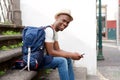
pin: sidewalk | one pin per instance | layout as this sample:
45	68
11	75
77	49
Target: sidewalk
109	68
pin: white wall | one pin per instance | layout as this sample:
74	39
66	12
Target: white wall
79	36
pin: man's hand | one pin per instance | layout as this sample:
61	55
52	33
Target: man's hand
76	56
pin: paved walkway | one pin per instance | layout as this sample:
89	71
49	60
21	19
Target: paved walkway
109	68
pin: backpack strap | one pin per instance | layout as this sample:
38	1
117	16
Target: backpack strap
51	28
28	62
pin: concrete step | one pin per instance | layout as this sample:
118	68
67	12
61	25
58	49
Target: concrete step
10	74
7	40
9	37
80	74
18	75
92	77
9	54
9	27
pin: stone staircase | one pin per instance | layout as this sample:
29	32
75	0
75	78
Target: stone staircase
8	57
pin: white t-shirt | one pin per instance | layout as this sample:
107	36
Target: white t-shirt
51	35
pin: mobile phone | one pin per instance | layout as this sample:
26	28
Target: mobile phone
83	54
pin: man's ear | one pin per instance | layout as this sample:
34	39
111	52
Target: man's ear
56	18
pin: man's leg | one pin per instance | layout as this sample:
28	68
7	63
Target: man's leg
70	69
64	67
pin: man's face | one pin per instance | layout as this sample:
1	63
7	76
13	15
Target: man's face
62	22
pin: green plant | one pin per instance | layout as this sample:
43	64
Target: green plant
11	46
10	33
20	44
2	73
4	48
47	71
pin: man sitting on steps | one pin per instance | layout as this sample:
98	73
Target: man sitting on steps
61	59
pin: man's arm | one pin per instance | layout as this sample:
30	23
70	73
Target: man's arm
56	46
54	50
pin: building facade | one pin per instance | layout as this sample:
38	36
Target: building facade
110	19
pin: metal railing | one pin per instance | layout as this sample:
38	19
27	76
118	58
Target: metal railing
6	11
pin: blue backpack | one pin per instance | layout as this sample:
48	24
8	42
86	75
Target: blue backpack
33	49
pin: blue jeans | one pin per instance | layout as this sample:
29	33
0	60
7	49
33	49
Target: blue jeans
64	66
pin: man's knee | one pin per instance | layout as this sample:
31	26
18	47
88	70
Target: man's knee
63	60
66	60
